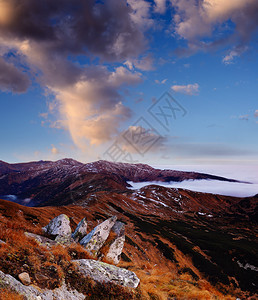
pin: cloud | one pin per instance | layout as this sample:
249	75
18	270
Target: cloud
54	150
256	113
91	109
160	6
145	63
76	28
138	139
195	20
190	89
141	13
244	117
229	58
12	79
52	36
161	82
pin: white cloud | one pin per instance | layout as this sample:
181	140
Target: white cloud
54	150
145	63
160	6
141	13
161	82
229	58
91	108
195	20
256	113
190	89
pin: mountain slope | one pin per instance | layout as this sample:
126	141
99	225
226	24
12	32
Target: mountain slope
52	183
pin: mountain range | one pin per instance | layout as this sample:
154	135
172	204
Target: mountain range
209	237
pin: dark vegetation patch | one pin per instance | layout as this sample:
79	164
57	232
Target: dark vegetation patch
165	250
216	243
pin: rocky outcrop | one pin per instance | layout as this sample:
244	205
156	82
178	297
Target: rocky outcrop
103	272
117	243
32	293
97	237
41	240
80	231
60	225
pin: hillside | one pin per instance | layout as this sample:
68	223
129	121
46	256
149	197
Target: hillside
181	244
62	182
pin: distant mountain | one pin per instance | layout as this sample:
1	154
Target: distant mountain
66	180
204	236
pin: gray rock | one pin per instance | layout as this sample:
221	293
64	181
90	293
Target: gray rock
41	240
117	245
60	225
80	231
24	278
2	242
97	237
64	240
32	293
103	272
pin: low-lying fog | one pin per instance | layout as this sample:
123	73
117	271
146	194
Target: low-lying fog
246	173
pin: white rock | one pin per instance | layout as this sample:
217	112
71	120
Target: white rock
117	245
103	272
97	237
32	293
60	225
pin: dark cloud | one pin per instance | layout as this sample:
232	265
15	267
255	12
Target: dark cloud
104	29
12	79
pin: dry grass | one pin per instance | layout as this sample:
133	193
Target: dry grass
6	294
160	277
48	268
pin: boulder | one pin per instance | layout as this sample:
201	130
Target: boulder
117	244
60	225
97	237
80	231
33	293
25	278
41	240
65	240
103	272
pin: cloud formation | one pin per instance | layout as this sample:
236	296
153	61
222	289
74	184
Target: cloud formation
12	79
161	82
195	20
54	150
140	140
51	36
189	89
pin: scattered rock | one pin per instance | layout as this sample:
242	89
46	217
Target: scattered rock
103	272
32	293
41	278
25	278
97	237
117	244
2	242
80	231
60	225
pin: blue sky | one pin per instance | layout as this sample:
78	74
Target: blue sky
80	81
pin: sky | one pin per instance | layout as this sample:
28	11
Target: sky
159	82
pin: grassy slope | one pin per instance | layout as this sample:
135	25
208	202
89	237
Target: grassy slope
173	258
